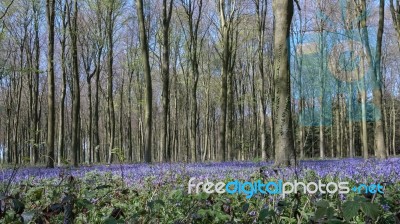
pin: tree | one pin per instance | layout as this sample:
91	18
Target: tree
166	19
50	12
261	11
227	16
73	29
192	40
34	87
379	134
284	146
61	126
149	92
379	137
110	60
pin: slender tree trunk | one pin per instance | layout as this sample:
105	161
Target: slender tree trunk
61	126
16	149
166	18
261	10
302	131
110	101
394	128
96	134
50	11
149	92
35	93
364	134
131	156
121	120
224	98
75	141
90	129
322	98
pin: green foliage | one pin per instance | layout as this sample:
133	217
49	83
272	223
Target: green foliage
104	198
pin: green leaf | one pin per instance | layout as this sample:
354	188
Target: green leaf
350	209
151	204
110	220
18	206
221	217
335	221
202	196
330	212
83	203
263	214
36	194
370	209
245	207
176	194
320	213
283	203
360	199
103	187
202	212
322	204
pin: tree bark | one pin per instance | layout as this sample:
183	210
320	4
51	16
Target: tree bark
166	18
149	92
377	91
283	133
35	92
50	12
75	142
110	101
61	130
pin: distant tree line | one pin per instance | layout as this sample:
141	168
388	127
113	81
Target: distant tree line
104	81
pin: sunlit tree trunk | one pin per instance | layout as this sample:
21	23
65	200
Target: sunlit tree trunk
284	146
377	91
261	10
110	61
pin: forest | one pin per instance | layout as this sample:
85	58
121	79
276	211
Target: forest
83	81
112	110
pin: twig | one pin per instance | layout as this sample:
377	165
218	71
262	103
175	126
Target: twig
7	8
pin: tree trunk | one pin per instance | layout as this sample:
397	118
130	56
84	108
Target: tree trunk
377	91
261	10
284	146
35	93
394	128
364	134
166	18
149	92
110	101
75	142
50	12
61	127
